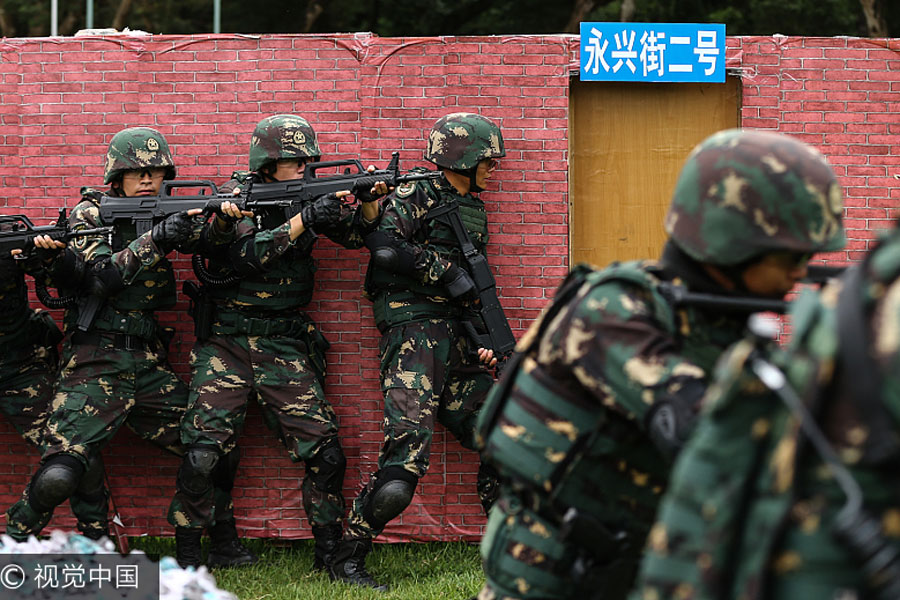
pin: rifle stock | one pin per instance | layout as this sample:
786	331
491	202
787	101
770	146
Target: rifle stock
499	336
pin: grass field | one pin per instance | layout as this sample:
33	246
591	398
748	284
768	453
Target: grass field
433	571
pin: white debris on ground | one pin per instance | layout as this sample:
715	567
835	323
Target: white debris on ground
175	583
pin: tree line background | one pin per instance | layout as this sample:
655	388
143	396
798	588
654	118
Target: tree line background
398	18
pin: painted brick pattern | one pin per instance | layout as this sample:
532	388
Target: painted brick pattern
61	100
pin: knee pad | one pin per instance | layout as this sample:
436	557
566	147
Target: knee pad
226	470
326	467
195	474
56	479
393	491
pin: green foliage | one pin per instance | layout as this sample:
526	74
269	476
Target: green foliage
403	18
433	571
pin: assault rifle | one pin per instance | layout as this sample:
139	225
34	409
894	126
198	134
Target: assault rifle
145	211
287	195
292	195
20	232
499	336
680	296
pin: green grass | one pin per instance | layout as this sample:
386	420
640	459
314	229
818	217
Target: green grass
432	571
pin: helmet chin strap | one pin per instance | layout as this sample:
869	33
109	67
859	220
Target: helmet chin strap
735	274
472	174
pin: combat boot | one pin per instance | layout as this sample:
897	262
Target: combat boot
225	549
350	564
187	547
327	539
94	530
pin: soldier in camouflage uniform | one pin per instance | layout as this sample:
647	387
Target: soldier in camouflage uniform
115	372
27	369
422	294
755	509
262	344
604	388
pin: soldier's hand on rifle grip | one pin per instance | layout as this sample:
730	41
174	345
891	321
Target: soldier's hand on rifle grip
228	213
457	281
324	211
47	248
174	230
487	358
378	189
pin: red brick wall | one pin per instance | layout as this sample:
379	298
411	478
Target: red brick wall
62	100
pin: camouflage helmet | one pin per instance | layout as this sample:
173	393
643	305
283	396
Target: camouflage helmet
137	148
459	141
742	194
282	136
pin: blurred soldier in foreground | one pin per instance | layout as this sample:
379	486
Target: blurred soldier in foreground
788	488
606	385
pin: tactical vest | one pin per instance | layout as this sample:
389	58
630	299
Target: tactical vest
400	298
559	442
286	283
130	310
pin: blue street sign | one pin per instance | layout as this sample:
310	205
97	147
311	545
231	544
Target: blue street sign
678	52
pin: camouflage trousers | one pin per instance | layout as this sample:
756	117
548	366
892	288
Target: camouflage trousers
287	382
24	400
100	388
429	374
528	556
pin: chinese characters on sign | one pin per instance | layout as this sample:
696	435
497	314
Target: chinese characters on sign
654	52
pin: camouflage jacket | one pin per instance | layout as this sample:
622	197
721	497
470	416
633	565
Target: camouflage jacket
612	351
145	271
274	272
416	289
752	511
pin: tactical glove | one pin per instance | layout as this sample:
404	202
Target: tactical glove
323	212
216	207
363	190
172	232
457	281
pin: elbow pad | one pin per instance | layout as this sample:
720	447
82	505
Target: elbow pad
387	254
671	419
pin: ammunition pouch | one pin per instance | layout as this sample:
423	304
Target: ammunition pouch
607	563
